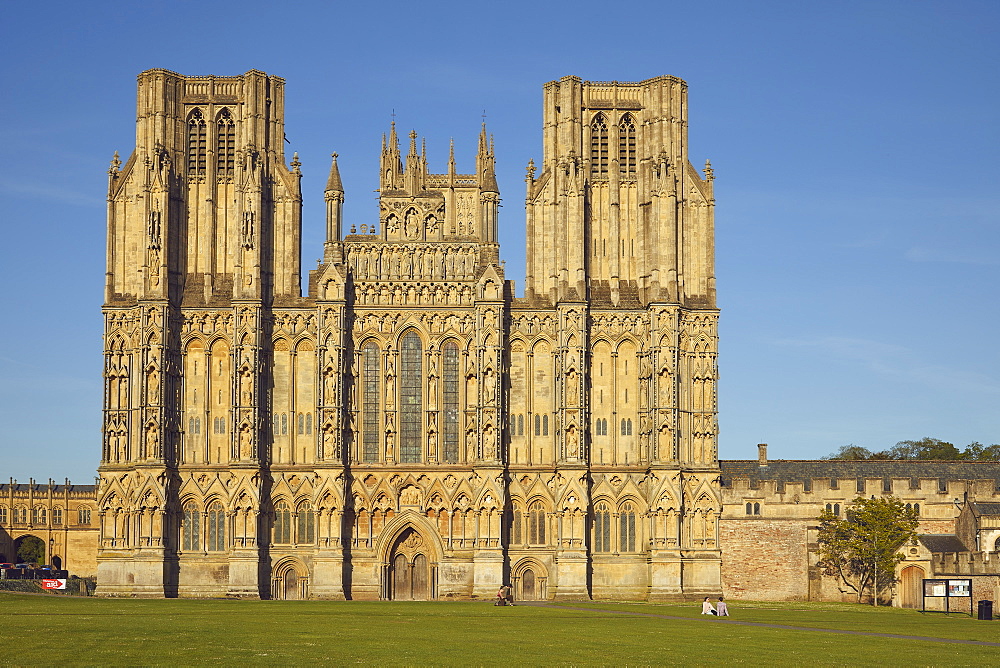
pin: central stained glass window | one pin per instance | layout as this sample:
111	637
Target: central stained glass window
410	400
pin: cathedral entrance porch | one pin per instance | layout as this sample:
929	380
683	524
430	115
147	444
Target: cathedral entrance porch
408	574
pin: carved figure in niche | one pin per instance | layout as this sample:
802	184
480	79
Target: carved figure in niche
572	441
246	446
329	384
412	225
409	496
153	385
328	441
390	448
432	445
246	387
248	230
152	434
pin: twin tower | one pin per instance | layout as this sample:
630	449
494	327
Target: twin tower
409	429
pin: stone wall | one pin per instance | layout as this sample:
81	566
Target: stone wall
765	559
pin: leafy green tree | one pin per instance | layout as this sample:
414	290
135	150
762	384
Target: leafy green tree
862	550
31	550
977	452
851	452
925	448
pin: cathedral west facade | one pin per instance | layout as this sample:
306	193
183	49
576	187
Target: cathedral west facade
409	428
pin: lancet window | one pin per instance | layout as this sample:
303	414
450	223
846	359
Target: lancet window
602	528
410	400
599	147
57	516
450	401
225	152
197	144
282	523
83	515
370	402
516	537
306	524
191	528
626	533
536	524
626	146
216	528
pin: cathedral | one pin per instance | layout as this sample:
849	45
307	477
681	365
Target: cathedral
409	429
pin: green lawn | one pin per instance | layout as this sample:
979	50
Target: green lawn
50	630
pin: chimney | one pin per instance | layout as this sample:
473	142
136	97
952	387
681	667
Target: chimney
762	454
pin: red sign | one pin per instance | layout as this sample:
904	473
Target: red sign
53	584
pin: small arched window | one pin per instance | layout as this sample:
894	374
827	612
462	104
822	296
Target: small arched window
536	524
538	424
191	528
197	145
20	515
306	521
599	146
302	424
626	535
282	523
626	146
520	424
216	528
602	528
309	423
836	509
83	515
756	509
57	516
545	425
284	424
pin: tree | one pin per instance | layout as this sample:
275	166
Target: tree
31	550
851	452
925	448
863	549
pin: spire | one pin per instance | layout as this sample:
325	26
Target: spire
393	139
484	162
333	183
413	144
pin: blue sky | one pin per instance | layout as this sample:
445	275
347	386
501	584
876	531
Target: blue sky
854	144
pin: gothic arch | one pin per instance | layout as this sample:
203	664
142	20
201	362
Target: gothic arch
289	580
529	580
410	549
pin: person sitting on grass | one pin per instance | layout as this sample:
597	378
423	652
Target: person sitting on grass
722	610
706	607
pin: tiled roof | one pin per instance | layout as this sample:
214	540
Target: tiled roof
794	470
986	508
942	543
41	488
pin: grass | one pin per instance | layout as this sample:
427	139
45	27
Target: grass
50	630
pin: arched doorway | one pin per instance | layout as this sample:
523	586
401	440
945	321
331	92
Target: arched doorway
409	570
530	581
911	581
289	583
57	563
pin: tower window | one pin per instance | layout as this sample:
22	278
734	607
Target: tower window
626	146
225	145
197	145
599	147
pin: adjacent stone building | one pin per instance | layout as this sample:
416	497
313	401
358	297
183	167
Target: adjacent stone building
409	429
64	517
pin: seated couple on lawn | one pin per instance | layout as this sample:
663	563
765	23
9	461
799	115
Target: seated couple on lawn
720	610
